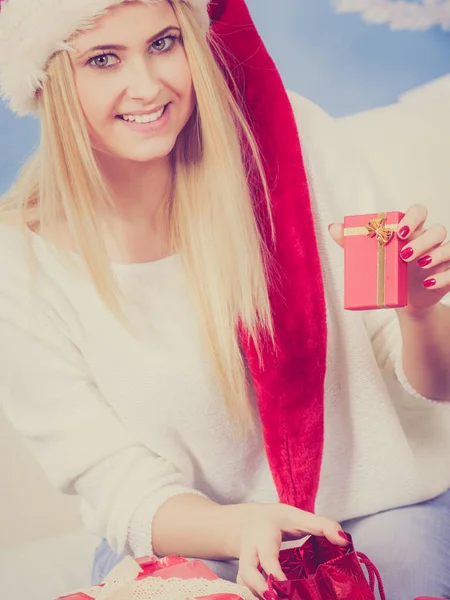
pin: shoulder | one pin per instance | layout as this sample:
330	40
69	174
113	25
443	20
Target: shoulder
307	111
337	168
33	300
311	119
320	135
27	277
15	253
24	252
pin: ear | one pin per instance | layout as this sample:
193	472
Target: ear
337	233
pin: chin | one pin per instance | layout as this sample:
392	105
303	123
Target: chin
157	152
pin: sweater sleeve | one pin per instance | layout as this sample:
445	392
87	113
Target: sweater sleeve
84	449
384	331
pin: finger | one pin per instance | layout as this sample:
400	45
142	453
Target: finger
306	523
335	534
337	233
253	580
424	243
438	282
249	574
412	221
268	559
439	257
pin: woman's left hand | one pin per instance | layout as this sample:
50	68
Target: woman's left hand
428	255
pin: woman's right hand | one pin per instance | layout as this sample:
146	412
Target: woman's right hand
260	540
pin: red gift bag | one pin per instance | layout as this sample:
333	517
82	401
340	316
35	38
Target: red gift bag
319	570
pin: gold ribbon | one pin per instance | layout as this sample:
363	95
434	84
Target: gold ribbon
377	228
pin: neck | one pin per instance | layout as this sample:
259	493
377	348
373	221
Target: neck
139	190
137	229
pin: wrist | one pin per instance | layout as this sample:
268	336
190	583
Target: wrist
419	315
234	518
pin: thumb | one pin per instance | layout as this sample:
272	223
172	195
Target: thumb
337	233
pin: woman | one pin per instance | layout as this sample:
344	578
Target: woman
174	345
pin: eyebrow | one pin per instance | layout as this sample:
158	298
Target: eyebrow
155	37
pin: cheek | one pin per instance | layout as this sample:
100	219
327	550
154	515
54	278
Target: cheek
96	98
180	78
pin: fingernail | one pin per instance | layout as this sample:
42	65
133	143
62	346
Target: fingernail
429	283
404	231
343	535
424	261
407	253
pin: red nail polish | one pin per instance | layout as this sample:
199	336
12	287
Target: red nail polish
407	253
424	261
343	535
429	283
404	231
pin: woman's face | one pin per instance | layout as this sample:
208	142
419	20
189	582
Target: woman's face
134	81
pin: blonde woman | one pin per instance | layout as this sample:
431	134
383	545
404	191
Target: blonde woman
174	346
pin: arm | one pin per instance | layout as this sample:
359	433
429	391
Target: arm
184	525
136	499
425	322
81	444
420	350
413	343
426	350
415	349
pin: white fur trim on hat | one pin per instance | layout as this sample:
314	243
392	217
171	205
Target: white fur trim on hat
31	31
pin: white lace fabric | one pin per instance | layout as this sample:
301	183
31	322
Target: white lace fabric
121	584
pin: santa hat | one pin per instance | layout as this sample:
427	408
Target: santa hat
290	384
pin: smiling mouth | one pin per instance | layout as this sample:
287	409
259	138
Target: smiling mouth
145	118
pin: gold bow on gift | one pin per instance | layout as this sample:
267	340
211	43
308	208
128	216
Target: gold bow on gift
377	228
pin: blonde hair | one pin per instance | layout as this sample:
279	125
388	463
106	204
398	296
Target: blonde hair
217	167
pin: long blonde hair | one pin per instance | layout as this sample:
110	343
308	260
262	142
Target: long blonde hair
214	229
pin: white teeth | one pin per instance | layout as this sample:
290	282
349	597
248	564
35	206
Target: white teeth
150	118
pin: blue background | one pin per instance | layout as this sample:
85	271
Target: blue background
337	60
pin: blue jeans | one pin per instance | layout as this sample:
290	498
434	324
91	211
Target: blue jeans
409	545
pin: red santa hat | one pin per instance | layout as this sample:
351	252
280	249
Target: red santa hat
290	385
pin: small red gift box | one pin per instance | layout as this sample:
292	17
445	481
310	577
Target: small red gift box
168	568
374	274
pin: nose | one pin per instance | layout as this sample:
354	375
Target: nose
143	82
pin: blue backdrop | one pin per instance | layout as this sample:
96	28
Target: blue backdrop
346	55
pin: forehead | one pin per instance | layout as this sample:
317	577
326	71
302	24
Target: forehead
127	23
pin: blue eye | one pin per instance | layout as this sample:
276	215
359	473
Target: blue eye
102	61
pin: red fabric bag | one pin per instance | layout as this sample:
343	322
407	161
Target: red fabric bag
319	570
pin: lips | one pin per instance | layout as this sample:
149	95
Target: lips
142	117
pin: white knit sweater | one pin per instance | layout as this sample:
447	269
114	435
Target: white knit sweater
128	422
